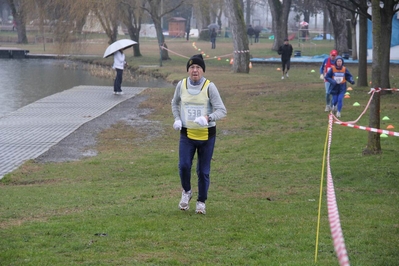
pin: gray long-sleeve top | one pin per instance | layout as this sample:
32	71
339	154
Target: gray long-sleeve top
219	110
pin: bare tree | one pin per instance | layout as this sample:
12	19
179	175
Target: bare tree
373	144
362	66
382	14
239	34
338	17
387	9
220	13
325	21
353	16
204	12
107	12
217	11
18	10
307	7
248	12
132	14
154	9
280	11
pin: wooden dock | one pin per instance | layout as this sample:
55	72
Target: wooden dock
10	52
33	129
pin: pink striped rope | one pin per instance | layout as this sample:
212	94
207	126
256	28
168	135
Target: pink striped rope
333	214
384	89
164	48
364	111
376	130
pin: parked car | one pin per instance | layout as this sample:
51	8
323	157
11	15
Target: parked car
319	37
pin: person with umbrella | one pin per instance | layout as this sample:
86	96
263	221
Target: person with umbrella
119	64
116	49
213	38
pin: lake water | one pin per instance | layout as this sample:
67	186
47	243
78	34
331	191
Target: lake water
23	81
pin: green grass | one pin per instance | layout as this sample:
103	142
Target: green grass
263	200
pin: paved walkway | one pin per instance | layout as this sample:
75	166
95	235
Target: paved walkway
32	130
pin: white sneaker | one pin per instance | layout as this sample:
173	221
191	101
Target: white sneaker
338	114
334	108
121	92
282	77
185	199
115	92
286	74
200	209
328	108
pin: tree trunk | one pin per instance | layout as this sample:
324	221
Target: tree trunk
133	25
248	13
280	12
387	14
154	10
205	10
353	30
362	66
239	35
325	22
373	144
18	13
108	19
338	19
134	35
161	38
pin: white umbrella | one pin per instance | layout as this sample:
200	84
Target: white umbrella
304	23
118	45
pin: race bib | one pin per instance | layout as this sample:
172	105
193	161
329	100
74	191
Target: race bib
194	111
338	79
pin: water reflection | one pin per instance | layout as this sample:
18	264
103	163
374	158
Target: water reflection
23	81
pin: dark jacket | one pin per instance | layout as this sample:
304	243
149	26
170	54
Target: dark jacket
337	77
250	31
285	51
213	33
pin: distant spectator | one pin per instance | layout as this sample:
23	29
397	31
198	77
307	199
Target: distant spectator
119	64
188	32
250	33
213	38
305	32
257	31
285	51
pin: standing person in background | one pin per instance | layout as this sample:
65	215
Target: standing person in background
325	66
256	32
213	38
285	51
119	64
337	76
250	33
196	105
